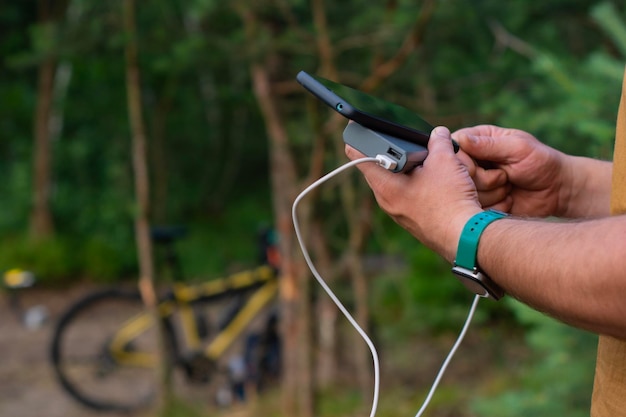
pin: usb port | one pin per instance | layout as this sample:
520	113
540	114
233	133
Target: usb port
393	152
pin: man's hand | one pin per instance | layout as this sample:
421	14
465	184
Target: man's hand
536	172
434	201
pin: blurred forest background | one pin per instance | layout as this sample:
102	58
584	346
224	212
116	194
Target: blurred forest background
232	139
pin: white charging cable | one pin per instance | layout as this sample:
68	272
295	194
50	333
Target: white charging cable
453	350
388	163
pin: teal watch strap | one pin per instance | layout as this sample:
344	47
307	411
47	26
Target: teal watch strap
470	236
465	267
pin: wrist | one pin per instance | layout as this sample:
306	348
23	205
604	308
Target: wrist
454	231
568	185
584	187
465	266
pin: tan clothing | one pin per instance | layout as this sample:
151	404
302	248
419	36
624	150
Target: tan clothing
609	388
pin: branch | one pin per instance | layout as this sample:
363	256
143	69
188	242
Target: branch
505	39
411	42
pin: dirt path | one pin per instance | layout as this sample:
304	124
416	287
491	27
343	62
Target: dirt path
27	384
28	387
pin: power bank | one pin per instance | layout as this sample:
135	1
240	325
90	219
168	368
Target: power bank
407	154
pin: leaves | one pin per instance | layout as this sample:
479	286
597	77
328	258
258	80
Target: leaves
608	18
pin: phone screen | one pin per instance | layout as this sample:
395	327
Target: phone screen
367	110
378	108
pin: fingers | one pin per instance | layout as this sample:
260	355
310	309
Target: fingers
352	153
504	205
492	197
468	162
488	179
492	185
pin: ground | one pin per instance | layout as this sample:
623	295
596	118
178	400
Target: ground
27	384
28	387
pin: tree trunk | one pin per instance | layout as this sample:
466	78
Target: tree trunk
159	154
297	381
41	224
327	323
47	124
142	187
326	313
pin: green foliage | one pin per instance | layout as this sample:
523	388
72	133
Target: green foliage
177	407
203	155
567	101
58	261
607	16
424	296
431	286
207	141
227	245
50	260
103	261
348	402
558	378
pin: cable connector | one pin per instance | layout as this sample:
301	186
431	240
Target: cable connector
386	162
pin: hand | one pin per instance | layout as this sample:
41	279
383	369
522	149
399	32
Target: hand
535	171
433	201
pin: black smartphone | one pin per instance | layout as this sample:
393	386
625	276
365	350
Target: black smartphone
369	111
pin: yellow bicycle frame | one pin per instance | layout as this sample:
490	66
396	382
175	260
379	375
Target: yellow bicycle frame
184	295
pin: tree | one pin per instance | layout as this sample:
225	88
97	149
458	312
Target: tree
142	190
50	15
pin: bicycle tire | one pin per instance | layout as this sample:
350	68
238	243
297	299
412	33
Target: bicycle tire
81	355
263	355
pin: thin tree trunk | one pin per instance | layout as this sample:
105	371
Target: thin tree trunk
297	379
361	355
159	153
297	392
142	187
41	224
326	313
46	125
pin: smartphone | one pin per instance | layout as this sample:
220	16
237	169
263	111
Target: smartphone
369	111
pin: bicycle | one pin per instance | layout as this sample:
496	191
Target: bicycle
111	367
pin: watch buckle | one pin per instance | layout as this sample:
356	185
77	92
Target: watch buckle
477	282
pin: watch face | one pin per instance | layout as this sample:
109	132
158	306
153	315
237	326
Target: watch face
478	283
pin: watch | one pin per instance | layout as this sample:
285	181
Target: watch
465	265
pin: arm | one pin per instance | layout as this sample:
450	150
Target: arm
573	271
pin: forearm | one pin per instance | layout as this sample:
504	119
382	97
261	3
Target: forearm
573	271
588	193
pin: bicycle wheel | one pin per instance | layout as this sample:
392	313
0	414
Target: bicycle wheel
94	359
263	356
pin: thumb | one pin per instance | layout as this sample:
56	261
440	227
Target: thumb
440	140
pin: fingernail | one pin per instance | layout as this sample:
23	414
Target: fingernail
441	131
472	138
